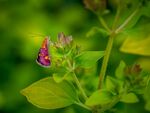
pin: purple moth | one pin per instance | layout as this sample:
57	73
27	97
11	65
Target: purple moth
43	58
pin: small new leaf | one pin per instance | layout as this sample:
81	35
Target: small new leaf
120	70
100	97
114	85
48	94
129	98
58	77
88	58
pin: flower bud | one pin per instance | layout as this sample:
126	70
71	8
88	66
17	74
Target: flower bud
97	6
63	40
133	70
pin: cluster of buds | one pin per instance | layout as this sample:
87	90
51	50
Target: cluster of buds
134	75
97	6
133	70
63	40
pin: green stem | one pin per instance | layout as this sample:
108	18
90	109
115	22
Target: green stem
104	23
108	107
117	16
148	81
105	60
126	21
84	106
79	86
108	48
110	43
77	81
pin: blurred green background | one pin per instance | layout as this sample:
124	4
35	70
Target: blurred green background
21	24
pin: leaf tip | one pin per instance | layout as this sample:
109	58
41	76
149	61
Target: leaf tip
23	92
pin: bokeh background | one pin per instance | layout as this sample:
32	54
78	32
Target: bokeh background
23	23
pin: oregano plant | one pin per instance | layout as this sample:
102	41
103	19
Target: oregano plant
127	19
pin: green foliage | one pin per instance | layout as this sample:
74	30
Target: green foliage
60	74
134	46
129	98
48	94
97	30
100	97
147	106
146	8
120	70
88	58
147	95
58	77
138	39
114	85
126	8
116	17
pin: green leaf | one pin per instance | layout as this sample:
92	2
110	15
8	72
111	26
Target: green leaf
61	74
59	77
88	58
114	85
56	52
138	40
147	95
120	70
147	106
147	89
139	47
129	98
48	94
100	97
146	8
95	30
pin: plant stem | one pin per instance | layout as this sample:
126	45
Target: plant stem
79	86
110	42
117	16
104	23
105	60
148	81
114	102
127	21
77	81
82	105
108	50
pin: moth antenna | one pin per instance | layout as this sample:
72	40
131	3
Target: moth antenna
36	35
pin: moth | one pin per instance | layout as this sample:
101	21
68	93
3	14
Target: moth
43	58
